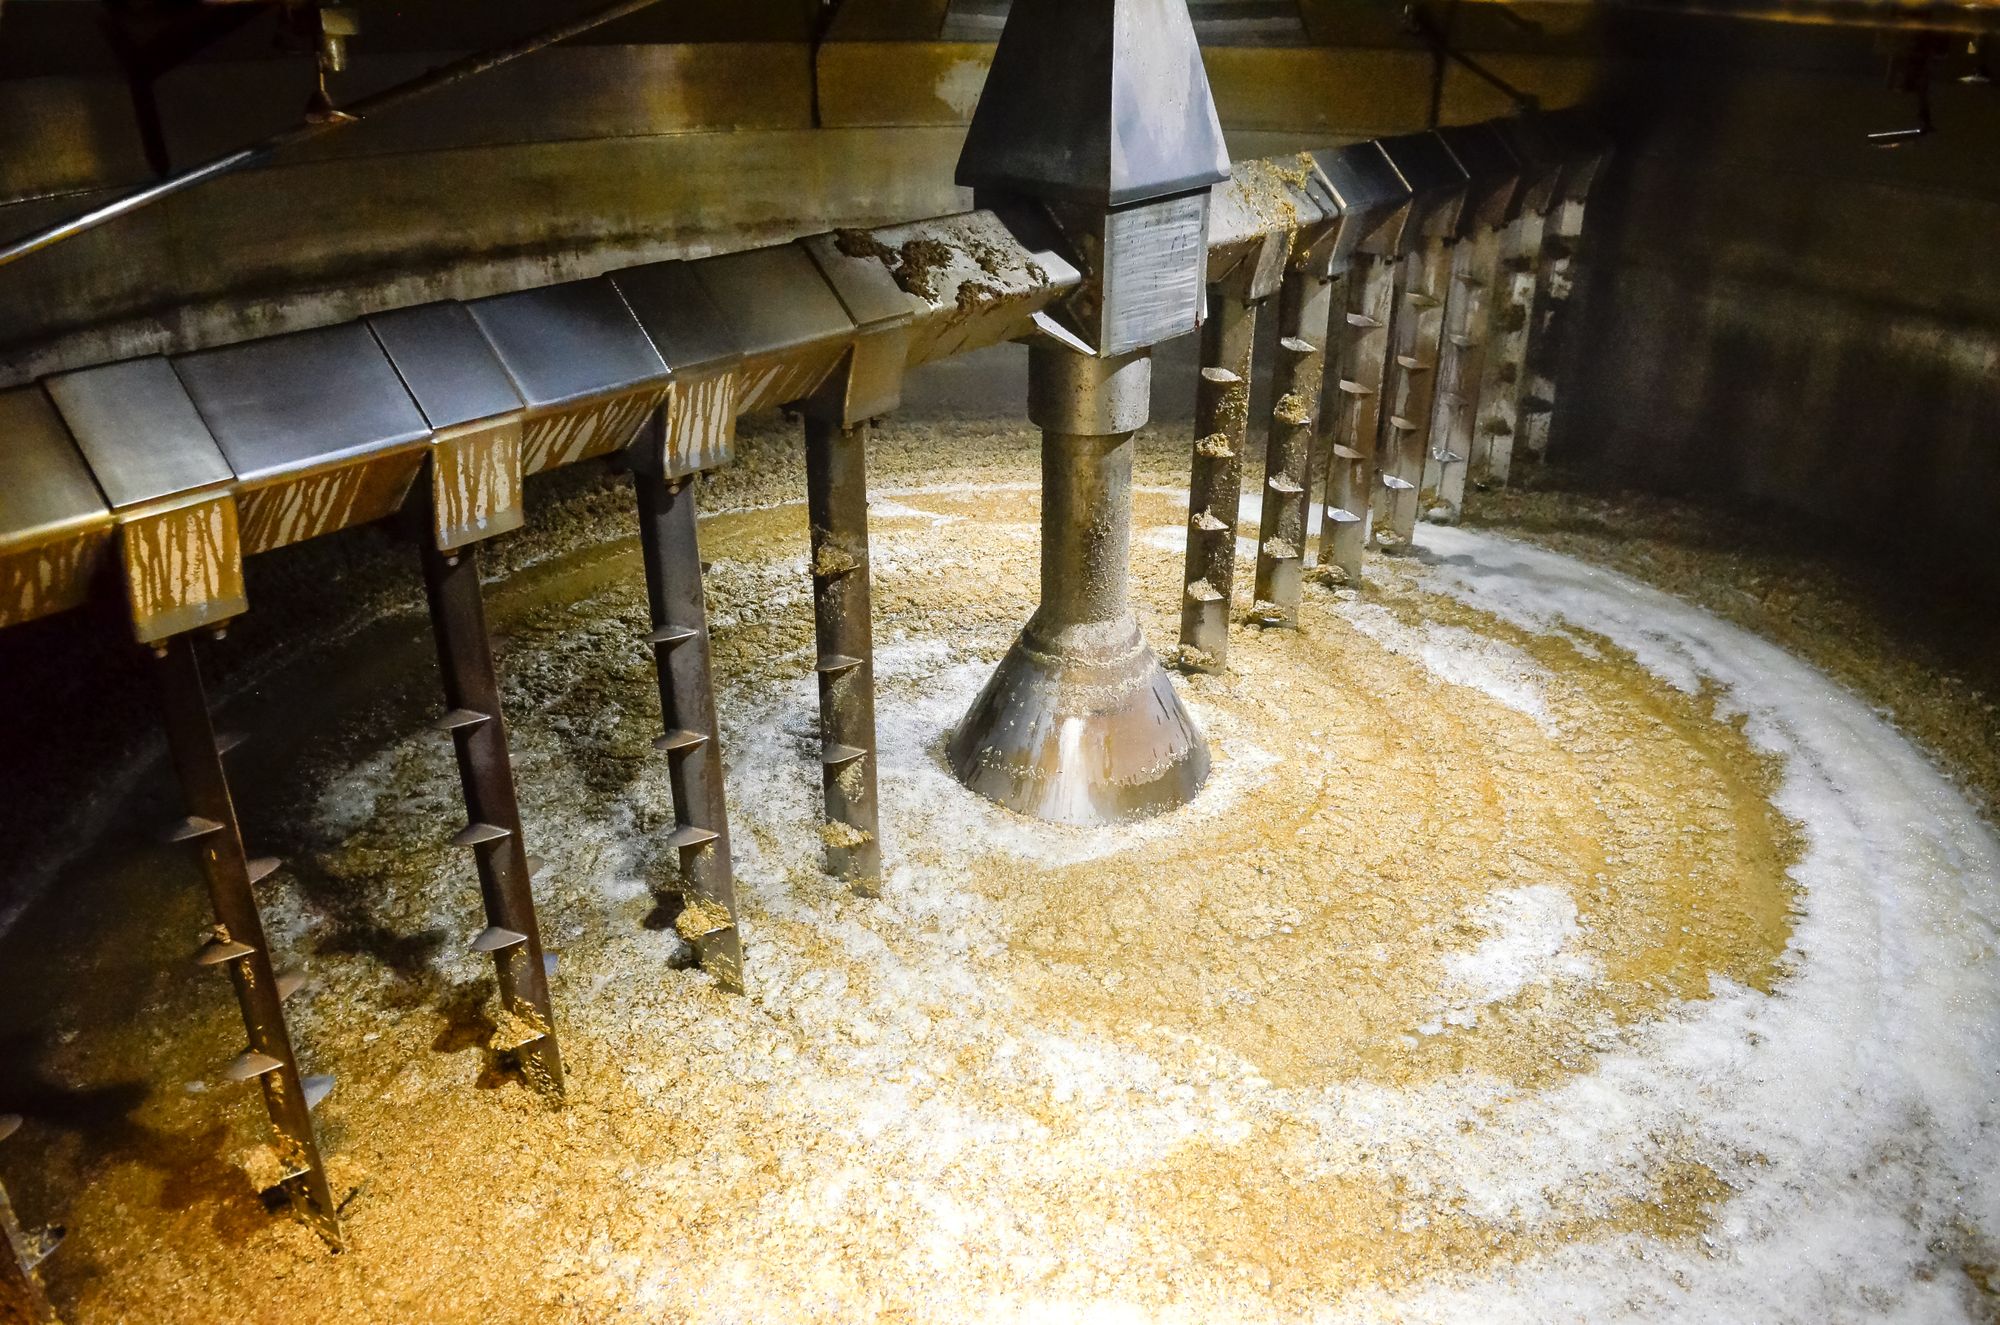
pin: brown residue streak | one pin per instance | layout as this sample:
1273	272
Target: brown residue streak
183	561
917	261
830	559
36	581
861	244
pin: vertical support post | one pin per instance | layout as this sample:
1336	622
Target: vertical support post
486	774
1551	316
23	1301
239	944
1503	378
837	506
1412	386
1215	486
669	543
1367	326
1475	263
1304	301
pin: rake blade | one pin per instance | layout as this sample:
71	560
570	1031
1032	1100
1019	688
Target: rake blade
473	835
494	938
219	950
316	1088
458	718
192	828
249	1065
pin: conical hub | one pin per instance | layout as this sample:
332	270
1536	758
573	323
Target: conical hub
1081	726
1080	723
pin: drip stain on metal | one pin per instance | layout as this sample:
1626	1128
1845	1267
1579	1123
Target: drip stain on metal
1069	861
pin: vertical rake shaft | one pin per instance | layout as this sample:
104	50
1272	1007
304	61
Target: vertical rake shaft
1550	318
1303	305
212	830
1364	336
837	503
1412	387
1502	380
1215	487
486	773
669	542
1475	275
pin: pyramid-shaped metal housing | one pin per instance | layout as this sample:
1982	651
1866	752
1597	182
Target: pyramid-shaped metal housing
1100	102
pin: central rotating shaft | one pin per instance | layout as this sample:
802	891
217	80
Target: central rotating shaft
1080	723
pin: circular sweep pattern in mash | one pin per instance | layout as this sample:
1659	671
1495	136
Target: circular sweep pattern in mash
1541	949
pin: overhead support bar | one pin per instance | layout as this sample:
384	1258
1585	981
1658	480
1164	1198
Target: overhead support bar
445	75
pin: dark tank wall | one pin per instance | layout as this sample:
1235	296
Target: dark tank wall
1778	310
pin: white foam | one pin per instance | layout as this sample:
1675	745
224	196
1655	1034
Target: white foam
1458	656
1530	936
1851	1112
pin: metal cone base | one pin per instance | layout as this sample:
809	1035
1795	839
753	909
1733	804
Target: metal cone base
1080	731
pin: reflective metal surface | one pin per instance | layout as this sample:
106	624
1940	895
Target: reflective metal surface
476	417
1374	200
788	321
973	279
142	435
45	489
449	367
1436	183
688	328
53	520
882	312
294	404
1251	222
566	344
1080	723
697	340
588	372
1101	104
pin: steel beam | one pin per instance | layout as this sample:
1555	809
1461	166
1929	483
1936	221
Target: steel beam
1215	487
493	829
1475	274
669	543
1304	301
837	506
1503	375
1365	330
1422	276
238	942
1555	286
